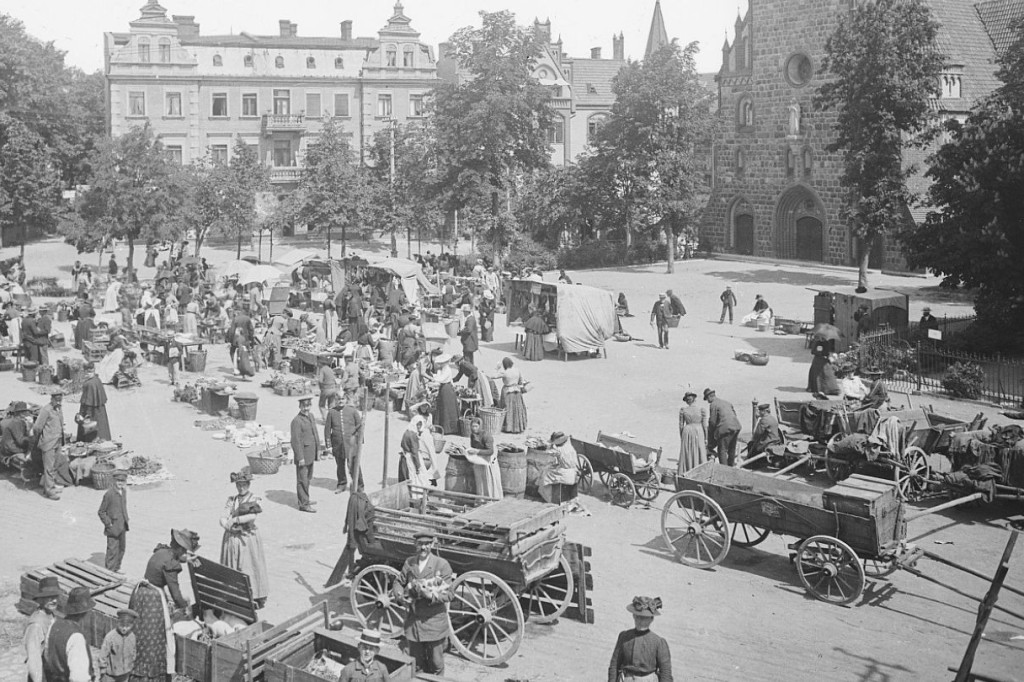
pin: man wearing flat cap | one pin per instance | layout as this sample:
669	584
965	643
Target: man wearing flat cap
766	432
46	596
305	446
425	585
113	512
640	655
723	428
67	657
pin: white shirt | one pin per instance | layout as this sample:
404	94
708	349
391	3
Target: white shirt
77	651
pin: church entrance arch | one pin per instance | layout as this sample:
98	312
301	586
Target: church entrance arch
800	225
741	224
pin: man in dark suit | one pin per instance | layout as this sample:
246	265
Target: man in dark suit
343	431
305	446
114	515
470	334
723	428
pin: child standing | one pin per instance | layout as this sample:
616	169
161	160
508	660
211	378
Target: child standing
117	655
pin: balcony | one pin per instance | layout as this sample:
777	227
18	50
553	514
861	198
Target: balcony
284	123
282	175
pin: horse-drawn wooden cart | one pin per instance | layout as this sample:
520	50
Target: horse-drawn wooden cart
506	554
627	468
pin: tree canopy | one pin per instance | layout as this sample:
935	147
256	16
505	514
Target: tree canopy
884	67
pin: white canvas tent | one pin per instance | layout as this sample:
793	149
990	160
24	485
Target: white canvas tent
412	277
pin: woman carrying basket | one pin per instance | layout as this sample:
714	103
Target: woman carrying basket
242	546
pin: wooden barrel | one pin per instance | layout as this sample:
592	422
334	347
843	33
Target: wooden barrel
512	464
458	476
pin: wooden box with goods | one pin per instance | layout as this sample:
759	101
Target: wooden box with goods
320	655
243	658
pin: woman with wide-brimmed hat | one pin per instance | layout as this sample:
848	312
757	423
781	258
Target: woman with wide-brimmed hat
640	655
242	546
693	434
152	599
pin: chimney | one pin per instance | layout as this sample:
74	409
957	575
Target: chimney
619	47
284	27
595	53
187	26
294	30
346	29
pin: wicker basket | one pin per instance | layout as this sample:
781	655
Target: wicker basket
492	418
672	321
759	359
438	438
102	475
264	462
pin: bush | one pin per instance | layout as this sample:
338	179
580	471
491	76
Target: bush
523	251
601	253
964	380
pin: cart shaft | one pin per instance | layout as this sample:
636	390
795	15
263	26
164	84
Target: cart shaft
946	505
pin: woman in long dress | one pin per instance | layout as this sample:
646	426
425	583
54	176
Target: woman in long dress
693	434
153	599
446	414
418	453
536	328
512	397
242	546
487	317
110	299
486	473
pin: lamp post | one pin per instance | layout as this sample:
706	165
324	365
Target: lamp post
392	122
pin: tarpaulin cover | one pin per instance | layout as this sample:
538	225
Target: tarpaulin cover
411	274
586	317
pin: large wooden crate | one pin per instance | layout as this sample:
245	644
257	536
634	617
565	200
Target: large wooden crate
289	666
242	656
216	586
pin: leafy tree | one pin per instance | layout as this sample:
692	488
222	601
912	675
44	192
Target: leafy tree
648	155
29	183
885	67
491	127
228	195
975	236
334	193
134	194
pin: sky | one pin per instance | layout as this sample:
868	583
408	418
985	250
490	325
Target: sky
78	27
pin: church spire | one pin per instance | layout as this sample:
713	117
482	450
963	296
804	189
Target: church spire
658	37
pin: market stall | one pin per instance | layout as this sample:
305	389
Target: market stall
581	318
887	309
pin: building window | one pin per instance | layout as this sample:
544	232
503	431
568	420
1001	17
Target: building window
407	57
247	61
313	109
173	153
144	51
391	58
556	133
173	102
383	105
218	60
219	154
282	102
283	153
745	113
136	104
790	163
165	51
279	63
220	105
741	161
310	62
594	124
416	107
807	162
339	63
950	86
341	105
799	70
250	104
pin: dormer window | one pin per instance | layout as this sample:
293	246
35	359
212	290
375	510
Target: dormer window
279	62
339	63
247	61
407	57
144	51
165	51
218	60
949	86
391	57
310	62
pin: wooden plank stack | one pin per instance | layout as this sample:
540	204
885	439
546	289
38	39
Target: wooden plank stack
577	555
111	592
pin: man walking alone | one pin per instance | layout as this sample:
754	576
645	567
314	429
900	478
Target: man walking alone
728	299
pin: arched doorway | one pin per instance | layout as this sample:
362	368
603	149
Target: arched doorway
741	224
800	225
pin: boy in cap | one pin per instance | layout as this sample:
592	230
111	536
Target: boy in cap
640	654
366	668
113	512
39	625
425	586
117	654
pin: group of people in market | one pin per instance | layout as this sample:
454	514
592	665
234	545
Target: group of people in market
714	429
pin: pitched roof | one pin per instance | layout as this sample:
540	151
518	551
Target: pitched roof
963	39
592	80
658	37
1000	17
280	42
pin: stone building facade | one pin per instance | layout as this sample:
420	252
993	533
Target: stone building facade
775	190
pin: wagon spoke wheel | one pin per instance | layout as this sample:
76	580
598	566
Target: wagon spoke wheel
647	489
695	529
622	490
485	617
838	469
830	570
745	535
879	567
373	601
548	598
603	477
913	473
584	475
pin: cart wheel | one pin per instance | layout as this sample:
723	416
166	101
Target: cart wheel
838	469
745	535
373	602
622	490
603	477
695	529
548	598
584	475
913	473
649	488
830	570
485	618
880	567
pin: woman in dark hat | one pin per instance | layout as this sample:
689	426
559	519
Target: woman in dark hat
242	545
152	599
640	655
693	434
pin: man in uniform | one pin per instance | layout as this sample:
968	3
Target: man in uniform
305	446
67	657
343	431
425	584
723	428
39	625
49	430
766	432
113	513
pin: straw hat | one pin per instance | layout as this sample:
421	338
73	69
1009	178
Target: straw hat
645	606
370	637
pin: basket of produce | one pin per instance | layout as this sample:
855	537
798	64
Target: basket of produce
103	475
143	466
759	358
265	462
672	321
